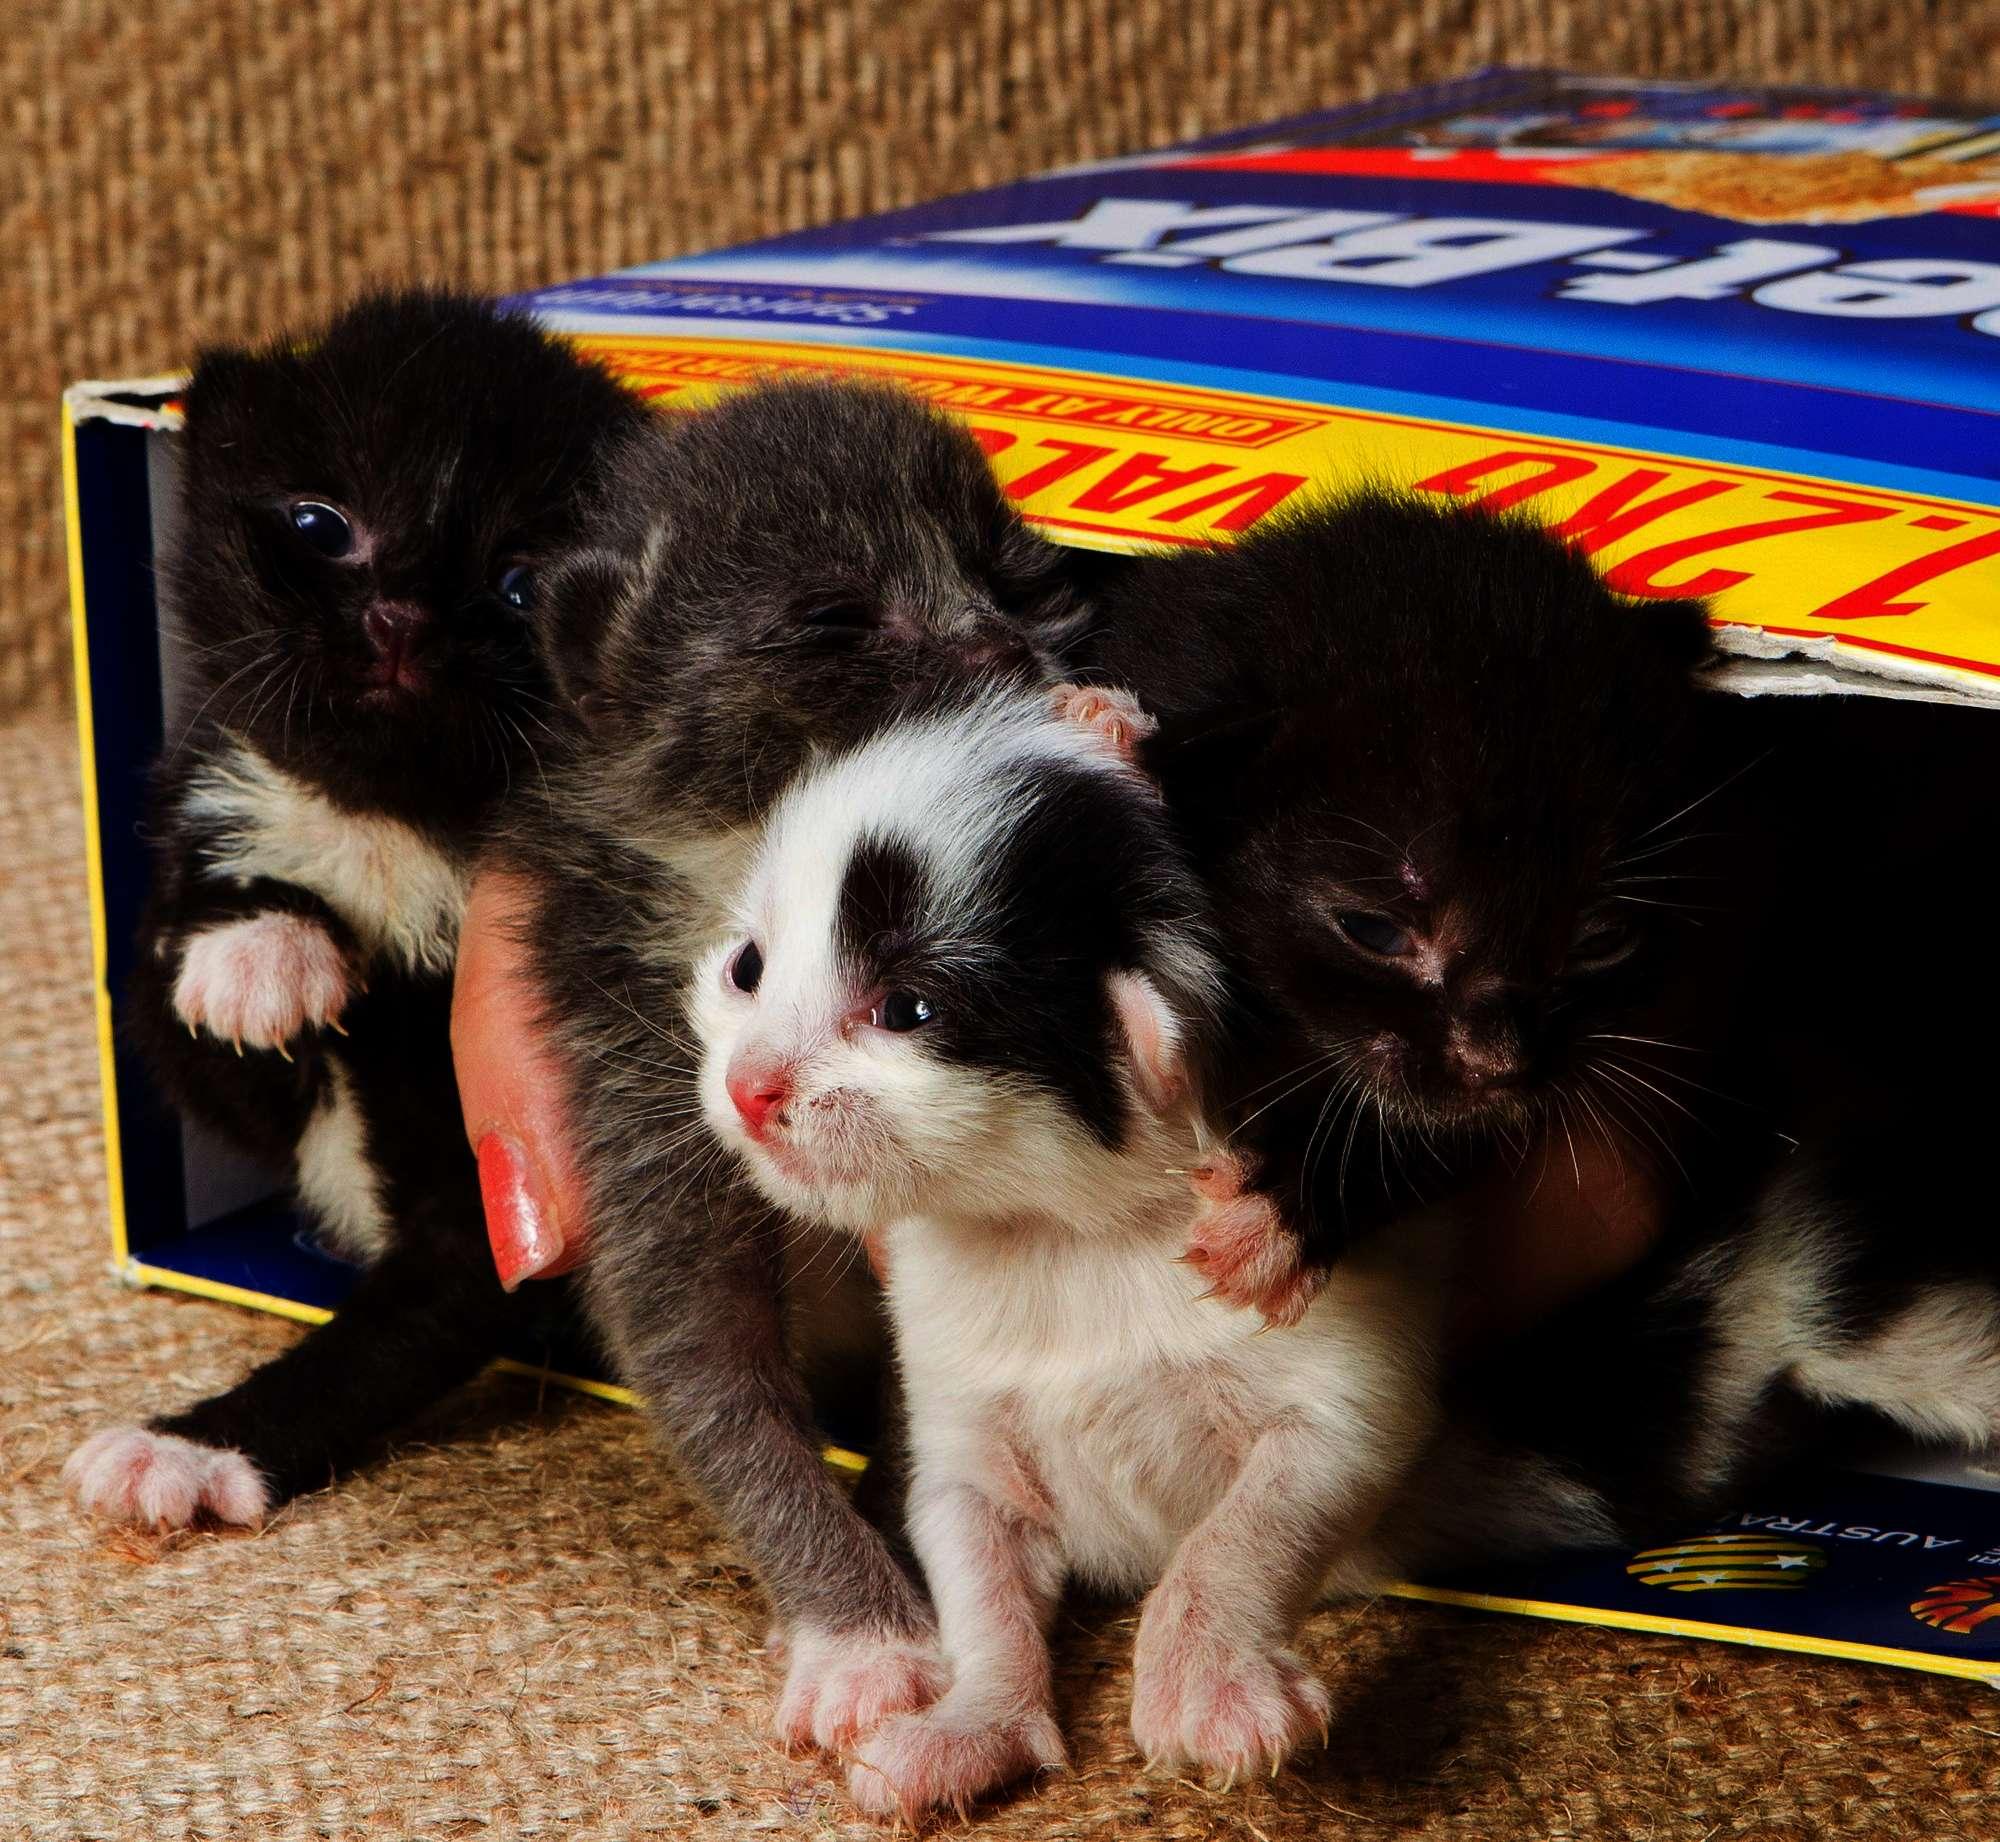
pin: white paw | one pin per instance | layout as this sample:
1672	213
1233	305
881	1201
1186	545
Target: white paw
1115	718
1229	1708
161	1481
842	1683
937	1760
261	980
1242	1246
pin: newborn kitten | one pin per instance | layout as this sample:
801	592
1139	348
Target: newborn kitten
361	519
1834	1266
1442	783
776	576
954	1016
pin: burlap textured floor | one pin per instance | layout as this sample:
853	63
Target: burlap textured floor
519	1627
187	170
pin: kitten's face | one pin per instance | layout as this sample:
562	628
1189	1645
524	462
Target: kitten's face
861	1081
925	1003
363	523
795	568
1454	957
1448	827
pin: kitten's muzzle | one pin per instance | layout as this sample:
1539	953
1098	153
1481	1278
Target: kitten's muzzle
396	632
761	1092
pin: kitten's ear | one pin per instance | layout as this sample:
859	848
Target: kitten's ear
1153	1039
1682	630
579	593
226	388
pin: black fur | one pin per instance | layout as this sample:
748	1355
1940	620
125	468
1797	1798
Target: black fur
456	443
783	573
1086	879
1440	725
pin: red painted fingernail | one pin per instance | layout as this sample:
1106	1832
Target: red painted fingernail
520	1227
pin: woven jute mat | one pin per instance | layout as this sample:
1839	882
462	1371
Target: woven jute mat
519	1625
191	170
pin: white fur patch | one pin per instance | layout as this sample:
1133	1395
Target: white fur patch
403	896
336	1181
157	1480
1935	1368
261	980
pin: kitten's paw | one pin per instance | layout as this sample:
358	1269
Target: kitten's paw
161	1481
839	1684
1114	717
1229	1709
936	1760
1240	1244
261	980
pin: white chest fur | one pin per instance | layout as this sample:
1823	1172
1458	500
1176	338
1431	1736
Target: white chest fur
1127	1398
403	896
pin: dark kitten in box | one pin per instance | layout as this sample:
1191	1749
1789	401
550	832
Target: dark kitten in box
1447	790
361	520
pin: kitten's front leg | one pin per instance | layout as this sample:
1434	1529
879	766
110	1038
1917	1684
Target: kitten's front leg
692	1306
1217	1684
995	1573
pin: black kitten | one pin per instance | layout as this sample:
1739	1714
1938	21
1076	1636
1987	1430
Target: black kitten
1829	1272
361	517
783	574
1439	780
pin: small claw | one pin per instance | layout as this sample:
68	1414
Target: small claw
1326	1732
237	1046
333	1024
1277	1761
195	1033
282	1050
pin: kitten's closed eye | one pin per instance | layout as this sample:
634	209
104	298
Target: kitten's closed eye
325	528
1602	941
1375	933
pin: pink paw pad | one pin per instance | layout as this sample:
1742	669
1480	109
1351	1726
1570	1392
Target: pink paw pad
261	980
1114	717
936	1760
1230	1711
1239	1244
840	1684
160	1481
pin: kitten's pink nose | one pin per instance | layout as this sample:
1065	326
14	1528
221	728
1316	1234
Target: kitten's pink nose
394	631
758	1089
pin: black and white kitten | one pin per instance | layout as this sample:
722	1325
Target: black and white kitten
361	518
778	576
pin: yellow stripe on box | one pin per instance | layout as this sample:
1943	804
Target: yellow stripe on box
1910	581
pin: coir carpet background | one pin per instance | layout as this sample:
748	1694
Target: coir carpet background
519	1626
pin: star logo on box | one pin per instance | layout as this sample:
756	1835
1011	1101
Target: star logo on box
1729	1563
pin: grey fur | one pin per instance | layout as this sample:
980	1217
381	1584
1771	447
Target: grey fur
694	638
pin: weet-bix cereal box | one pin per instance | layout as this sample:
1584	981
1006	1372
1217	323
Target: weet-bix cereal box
1740	343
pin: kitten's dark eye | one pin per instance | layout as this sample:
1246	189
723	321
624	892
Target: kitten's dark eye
517	587
843	616
323	526
901	1010
1374	933
1601	941
746	970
